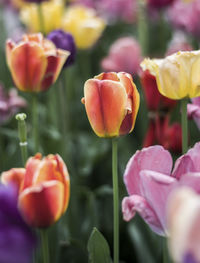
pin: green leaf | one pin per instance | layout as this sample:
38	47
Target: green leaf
98	248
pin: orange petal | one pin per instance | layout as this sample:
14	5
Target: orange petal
9	47
28	64
55	64
53	167
42	205
105	102
33	37
31	168
14	176
107	75
132	105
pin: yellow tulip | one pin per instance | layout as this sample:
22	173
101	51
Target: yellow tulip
52	16
84	25
178	75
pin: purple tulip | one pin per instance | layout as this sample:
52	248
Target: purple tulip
16	238
64	40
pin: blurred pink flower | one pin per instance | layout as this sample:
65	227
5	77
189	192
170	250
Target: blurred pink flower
113	10
124	55
185	15
149	181
193	110
9	104
159	3
178	43
183	217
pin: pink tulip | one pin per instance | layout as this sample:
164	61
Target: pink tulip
183	217
194	110
149	179
124	55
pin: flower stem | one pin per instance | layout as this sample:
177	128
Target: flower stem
41	18
35	122
22	135
142	26
184	123
115	201
45	246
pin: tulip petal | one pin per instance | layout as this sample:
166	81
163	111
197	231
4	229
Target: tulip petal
135	203
105	102
154	157
14	176
31	168
155	188
42	205
134	100
28	64
191	180
52	167
183	165
54	66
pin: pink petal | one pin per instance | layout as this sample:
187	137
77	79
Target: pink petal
190	180
155	189
154	158
135	203
183	165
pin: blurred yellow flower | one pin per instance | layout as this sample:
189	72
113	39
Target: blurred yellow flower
84	25
52	16
178	75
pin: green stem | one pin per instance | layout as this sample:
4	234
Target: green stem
142	26
41	18
22	135
115	200
45	245
35	122
184	123
165	251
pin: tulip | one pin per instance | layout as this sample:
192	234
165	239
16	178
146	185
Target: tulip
183	216
17	239
40	62
191	11
149	180
43	188
52	12
84	25
193	110
124	55
177	76
65	41
155	101
111	101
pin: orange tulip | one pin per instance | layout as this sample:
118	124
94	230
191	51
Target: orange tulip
111	101
34	62
43	187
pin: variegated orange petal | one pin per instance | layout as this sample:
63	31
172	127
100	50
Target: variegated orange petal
55	64
28	65
132	105
41	205
107	75
9	47
105	102
38	37
52	167
14	176
31	168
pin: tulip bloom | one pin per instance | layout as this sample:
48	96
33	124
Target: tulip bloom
178	75
34	62
43	188
84	25
124	55
112	102
52	12
183	216
149	182
193	110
